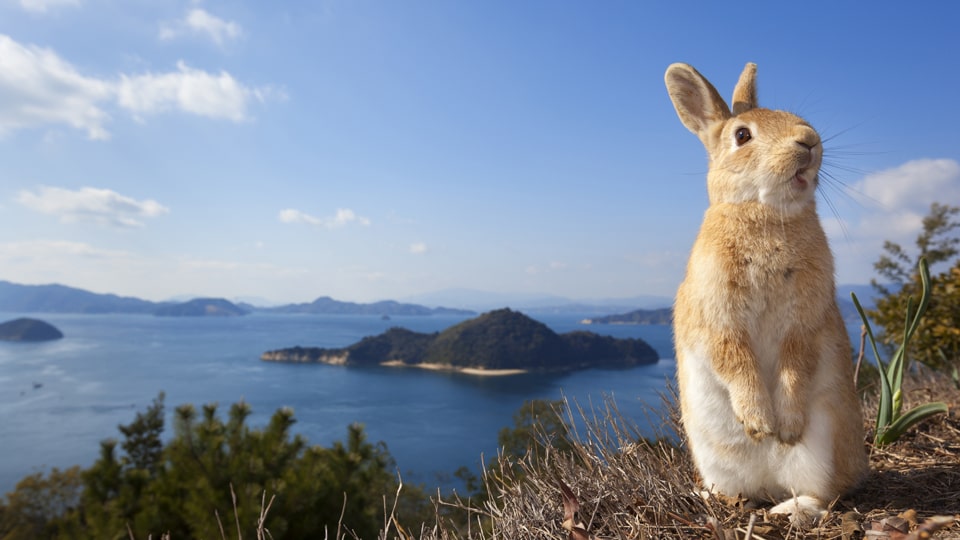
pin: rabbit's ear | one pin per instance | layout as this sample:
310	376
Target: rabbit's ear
698	103
745	93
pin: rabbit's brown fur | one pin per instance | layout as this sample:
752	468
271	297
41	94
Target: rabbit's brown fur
764	361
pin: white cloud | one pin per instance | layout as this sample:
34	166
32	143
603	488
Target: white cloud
91	205
904	194
42	6
290	215
202	22
342	218
418	248
897	201
914	185
345	216
189	90
38	88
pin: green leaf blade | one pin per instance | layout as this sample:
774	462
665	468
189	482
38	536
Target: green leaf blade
897	428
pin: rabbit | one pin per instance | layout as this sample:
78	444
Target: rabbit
764	363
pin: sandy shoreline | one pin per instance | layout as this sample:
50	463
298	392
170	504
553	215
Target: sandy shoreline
468	371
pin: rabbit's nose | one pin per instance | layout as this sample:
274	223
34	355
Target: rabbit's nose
807	138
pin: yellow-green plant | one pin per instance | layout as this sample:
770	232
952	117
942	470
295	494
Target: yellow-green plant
891	424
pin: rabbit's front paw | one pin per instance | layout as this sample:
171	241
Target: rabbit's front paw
757	421
792	425
758	429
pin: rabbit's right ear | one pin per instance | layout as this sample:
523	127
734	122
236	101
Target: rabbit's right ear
698	103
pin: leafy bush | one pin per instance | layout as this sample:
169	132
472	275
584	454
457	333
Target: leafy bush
891	424
936	342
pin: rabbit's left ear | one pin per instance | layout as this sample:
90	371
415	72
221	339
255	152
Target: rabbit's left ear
697	102
745	93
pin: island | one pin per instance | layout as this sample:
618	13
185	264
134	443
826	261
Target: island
54	298
202	307
499	342
386	308
31	330
640	316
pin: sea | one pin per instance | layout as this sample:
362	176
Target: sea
60	399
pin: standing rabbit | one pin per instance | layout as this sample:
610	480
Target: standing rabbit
763	358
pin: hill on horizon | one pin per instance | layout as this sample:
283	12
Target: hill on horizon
327	305
56	298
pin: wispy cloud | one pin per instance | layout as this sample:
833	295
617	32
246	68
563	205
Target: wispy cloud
342	218
418	248
43	6
897	200
904	194
198	21
188	90
913	185
40	89
91	205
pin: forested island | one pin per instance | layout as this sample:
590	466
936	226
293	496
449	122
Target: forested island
498	342
640	316
202	307
329	306
25	329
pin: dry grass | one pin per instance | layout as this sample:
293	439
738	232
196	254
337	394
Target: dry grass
617	488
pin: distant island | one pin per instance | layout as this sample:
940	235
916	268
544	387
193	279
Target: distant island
640	316
55	298
61	299
327	305
665	315
202	307
32	330
496	343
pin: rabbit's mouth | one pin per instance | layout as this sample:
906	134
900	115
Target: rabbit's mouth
800	181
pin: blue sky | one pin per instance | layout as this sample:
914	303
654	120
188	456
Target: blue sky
371	150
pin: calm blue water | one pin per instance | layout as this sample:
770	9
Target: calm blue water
108	367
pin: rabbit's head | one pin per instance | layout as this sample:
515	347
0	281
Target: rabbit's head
756	155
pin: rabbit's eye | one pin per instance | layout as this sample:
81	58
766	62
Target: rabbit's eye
742	135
